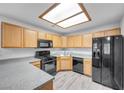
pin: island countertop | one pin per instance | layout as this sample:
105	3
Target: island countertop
20	74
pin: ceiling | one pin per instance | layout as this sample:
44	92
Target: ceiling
28	13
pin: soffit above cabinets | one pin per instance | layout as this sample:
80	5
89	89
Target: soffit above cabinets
66	15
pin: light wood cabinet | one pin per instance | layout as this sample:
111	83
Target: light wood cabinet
41	35
57	41
78	41
64	63
70	40
87	40
49	36
12	36
30	38
36	63
113	32
64	41
99	34
75	41
87	66
47	86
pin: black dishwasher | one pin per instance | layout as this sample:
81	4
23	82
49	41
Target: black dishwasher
78	65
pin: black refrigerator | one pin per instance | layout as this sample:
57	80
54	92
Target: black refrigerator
107	58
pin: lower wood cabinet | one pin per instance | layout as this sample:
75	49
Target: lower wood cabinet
64	63
47	86
87	66
36	63
30	38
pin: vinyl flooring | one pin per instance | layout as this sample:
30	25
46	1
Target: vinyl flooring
69	80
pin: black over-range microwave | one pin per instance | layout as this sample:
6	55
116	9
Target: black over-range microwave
45	43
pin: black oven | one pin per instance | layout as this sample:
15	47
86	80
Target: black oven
45	43
48	63
49	66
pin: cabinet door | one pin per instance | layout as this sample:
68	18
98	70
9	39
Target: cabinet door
78	41
87	67
12	36
56	41
58	68
30	38
41	35
113	32
99	34
70	41
49	36
64	41
66	63
87	40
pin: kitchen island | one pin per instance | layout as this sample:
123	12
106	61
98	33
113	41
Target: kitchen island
20	74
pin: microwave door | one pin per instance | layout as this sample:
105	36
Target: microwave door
44	45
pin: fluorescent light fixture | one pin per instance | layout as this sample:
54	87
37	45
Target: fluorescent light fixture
61	12
74	20
66	15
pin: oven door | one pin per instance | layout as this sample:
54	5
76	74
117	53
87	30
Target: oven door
45	44
49	67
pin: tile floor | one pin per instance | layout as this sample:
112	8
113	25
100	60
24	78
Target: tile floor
69	80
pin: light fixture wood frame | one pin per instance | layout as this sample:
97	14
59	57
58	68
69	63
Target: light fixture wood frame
56	4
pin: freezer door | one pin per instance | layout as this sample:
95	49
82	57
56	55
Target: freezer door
96	60
107	61
118	65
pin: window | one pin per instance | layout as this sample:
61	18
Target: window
66	15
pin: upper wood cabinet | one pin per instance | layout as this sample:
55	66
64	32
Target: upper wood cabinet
75	41
64	41
49	36
87	40
12	36
70	40
87	66
41	35
113	32
56	41
30	38
78	41
99	34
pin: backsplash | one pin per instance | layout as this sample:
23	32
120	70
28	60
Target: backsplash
8	53
73	51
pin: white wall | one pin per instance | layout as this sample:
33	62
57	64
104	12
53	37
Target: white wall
6	53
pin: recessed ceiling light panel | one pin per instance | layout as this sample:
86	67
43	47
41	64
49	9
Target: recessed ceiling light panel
74	20
66	15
